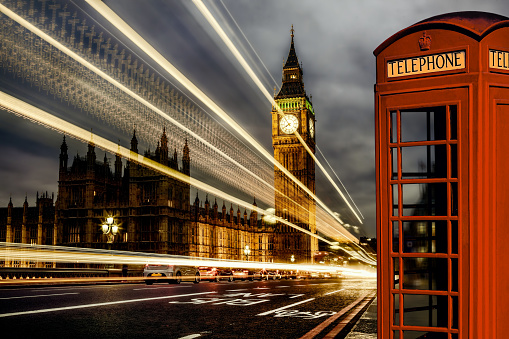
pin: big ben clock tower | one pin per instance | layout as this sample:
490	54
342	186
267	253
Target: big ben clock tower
291	202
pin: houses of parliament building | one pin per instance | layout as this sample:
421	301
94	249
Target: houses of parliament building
155	213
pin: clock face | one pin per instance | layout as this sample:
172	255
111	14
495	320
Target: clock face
311	128
289	124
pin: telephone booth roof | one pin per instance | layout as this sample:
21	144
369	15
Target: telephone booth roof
474	24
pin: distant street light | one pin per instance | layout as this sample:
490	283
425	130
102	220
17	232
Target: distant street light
110	229
292	259
247	251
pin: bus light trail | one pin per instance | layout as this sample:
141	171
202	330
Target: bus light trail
215	25
132	35
62	254
120	86
330	231
37	115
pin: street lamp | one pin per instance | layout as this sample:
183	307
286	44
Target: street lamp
247	251
292	258
110	229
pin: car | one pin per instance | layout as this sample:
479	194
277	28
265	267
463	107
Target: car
225	274
258	275
303	274
273	275
170	273
240	274
209	273
291	275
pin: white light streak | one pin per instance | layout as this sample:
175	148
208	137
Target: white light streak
37	115
132	35
62	254
215	25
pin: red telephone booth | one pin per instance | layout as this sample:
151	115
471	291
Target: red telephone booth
442	155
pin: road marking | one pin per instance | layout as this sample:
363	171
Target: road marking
296	296
315	331
334	291
36	296
240	289
282	286
191	336
156	288
98	304
288	306
61	288
261	288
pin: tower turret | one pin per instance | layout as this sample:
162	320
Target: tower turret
186	160
63	159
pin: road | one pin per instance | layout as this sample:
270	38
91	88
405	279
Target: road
313	308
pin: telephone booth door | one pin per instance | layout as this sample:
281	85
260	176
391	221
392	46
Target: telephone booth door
421	187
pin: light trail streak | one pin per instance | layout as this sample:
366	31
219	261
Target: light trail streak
109	79
62	254
215	25
132	35
123	88
37	115
341	182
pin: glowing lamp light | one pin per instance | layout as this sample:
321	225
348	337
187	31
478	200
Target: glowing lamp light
105	228
114	229
109	220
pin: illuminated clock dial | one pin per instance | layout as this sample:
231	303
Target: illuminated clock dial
289	124
311	128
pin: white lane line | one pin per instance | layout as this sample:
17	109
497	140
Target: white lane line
288	306
60	288
98	304
261	288
296	296
157	288
191	336
334	291
282	286
239	289
36	296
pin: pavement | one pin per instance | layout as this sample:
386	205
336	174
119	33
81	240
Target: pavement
366	326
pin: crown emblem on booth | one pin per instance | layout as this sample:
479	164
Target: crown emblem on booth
425	42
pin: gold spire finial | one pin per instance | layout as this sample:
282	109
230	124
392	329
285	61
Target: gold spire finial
292	30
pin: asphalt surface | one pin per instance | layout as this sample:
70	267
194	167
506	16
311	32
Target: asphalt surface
314	308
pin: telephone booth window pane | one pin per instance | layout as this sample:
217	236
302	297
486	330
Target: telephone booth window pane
424	162
394	127
454	274
395	236
394	200
396	309
425	274
425	310
453	112
425	236
394	157
455	312
395	261
396	334
454	161
424	335
424	199
454	236
454	198
427	124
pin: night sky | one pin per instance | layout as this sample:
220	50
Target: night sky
334	41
